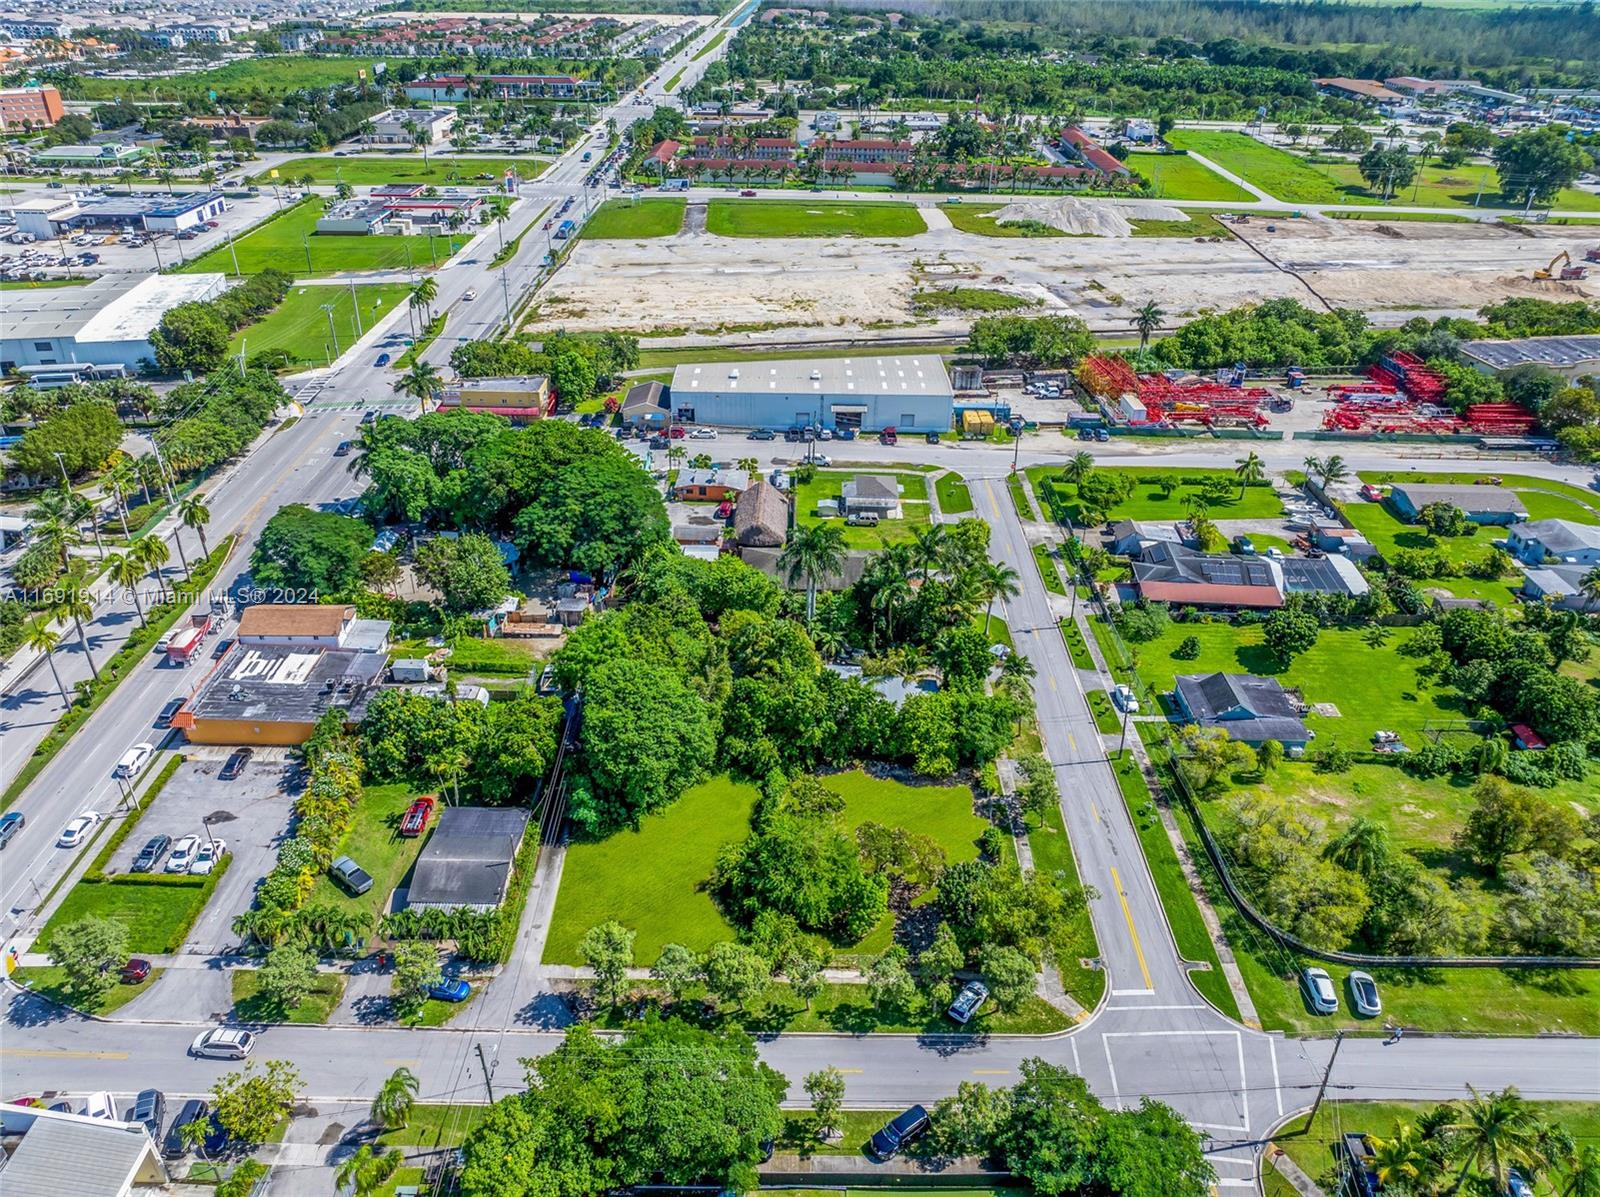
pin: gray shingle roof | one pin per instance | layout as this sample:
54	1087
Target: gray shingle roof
871	487
467	861
1468	498
1268	713
85	1157
1559	536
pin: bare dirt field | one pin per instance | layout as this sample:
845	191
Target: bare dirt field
695	282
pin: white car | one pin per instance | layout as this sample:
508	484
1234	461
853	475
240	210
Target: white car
133	760
470	295
821	459
1123	697
1317	988
100	1105
76	831
206	858
183	854
220	1043
1364	999
702	434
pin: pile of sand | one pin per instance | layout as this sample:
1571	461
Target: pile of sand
1079	217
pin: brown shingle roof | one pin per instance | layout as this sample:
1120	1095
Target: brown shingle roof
293	619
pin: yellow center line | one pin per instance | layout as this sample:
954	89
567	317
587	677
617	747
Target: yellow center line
1133	932
1073	740
991	1072
1096	811
47	1053
1052	679
854	1071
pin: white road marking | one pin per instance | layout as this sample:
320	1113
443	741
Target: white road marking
1277	1087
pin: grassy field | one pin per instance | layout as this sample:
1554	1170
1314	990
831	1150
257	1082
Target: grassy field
973	218
647	218
273	76
827	484
1199	224
372	170
51	982
1532	490
1052	854
375	844
1279	173
1148	501
954	497
1045	559
1452	187
799	218
250	1005
301	326
433	1126
290	242
1178	176
652	880
156	915
969	299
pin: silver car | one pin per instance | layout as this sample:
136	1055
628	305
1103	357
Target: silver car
1364	999
968	1002
1319	992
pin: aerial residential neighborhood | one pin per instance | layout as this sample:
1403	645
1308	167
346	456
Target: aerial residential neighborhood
711	596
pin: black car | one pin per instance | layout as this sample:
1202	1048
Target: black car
222	648
368	416
762	434
150	855
902	1130
167	712
172	1147
235	764
342	450
150	1108
10	823
933	438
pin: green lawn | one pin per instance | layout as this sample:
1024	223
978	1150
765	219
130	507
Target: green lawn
620	218
799	218
250	1005
1149	502
51	982
1052	854
1277	172
158	916
1105	713
1311	1146
1019	498
709	46
968	299
1576	503
974	218
1045	559
954	497
374	170
1178	176
1076	648
1379	524
301	326
274	75
1452	187
436	1013
1199	224
374	843
290	242
827	484
43	284
652	880
433	1126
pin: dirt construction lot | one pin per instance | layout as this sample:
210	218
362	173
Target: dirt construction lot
697	282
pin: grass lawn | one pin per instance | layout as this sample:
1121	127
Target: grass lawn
374	843
1452	187
1178	176
251	1005
1045	559
1183	912
158	916
1277	172
1076	648
436	1013
827	484
1311	1146
301	326
1149	502
969	299
1380	525
1105	713
42	284
709	46
954	497
1199	224
974	218
433	1126
646	218
274	75
798	218
50	982
1019	498
471	656
1387	217
374	170
1052	853
290	242
1577	504
410	1177
666	902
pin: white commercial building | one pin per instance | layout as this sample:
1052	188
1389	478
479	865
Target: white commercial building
390	128
910	393
105	323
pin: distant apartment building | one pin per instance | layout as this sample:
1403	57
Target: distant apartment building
761	149
30	107
501	87
868	150
38	25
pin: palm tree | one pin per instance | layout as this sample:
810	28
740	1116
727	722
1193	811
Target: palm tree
813	551
420	382
56	515
125	571
75	605
42	639
1313	466
998	581
1250	469
366	1172
894	590
929	548
152	553
1401	1157
1496	1132
1590	585
1334	470
1079	466
392	1107
195	516
1147	320
423	295
830	642
750	465
1582	1173
121	480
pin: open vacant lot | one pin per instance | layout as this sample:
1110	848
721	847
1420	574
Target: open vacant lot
1151	500
645	218
375	844
1177	176
799	218
376	169
653	880
300	326
290	242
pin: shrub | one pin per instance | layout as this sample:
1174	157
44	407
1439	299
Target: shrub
1188	649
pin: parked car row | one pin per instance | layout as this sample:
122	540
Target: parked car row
186	854
1318	990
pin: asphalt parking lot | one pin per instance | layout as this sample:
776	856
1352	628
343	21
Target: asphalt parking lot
251	813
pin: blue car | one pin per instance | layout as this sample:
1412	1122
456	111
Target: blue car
451	989
383	359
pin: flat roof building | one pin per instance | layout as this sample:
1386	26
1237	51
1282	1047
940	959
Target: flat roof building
1359	89
390	128
30	107
104	157
104	323
525	397
909	393
1570	357
126	213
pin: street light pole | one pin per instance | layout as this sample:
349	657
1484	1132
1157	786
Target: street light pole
65	481
327	309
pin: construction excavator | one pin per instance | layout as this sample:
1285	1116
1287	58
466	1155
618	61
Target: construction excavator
1569	272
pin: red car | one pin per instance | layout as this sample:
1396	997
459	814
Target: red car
135	971
1371	493
747	192
415	820
677	432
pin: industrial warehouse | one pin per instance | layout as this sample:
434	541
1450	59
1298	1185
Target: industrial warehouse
105	323
909	393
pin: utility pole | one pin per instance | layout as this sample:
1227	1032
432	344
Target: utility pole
355	307
233	253
488	1081
505	288
1338	1038
327	309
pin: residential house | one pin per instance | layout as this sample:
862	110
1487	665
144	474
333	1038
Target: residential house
1128	538
871	494
761	520
1078	144
1185	577
711	486
51	1152
1358	89
467	862
1480	504
1538	541
1560	586
647	406
1250	709
1322	575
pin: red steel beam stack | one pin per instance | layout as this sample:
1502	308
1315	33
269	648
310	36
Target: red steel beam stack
1500	419
1412	375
